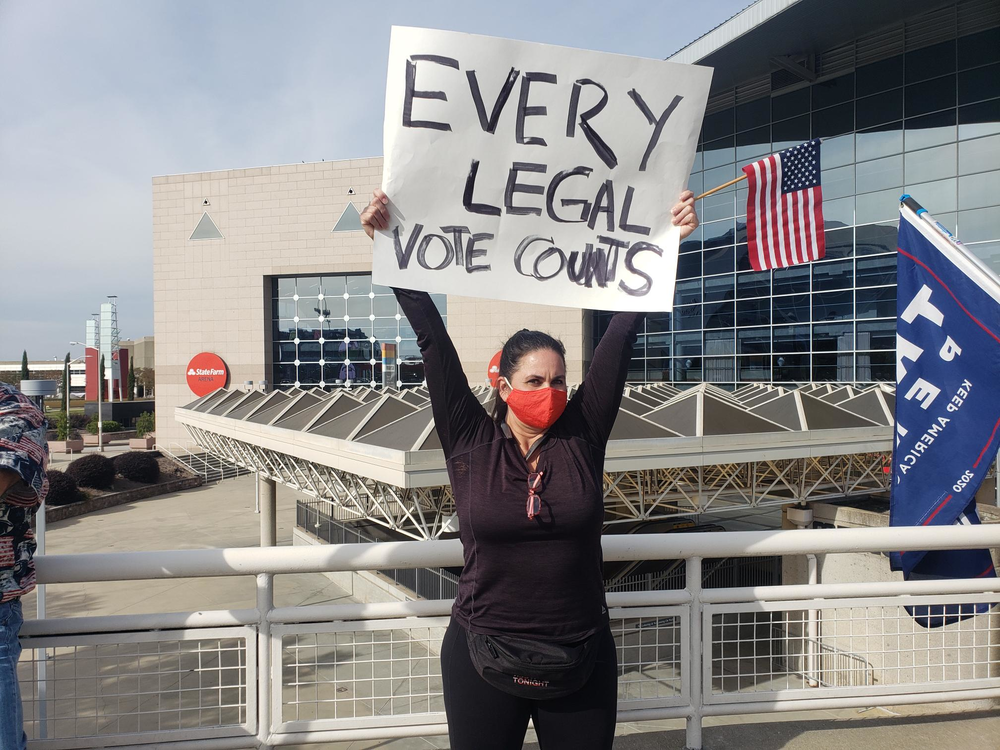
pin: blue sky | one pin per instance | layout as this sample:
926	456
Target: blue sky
98	97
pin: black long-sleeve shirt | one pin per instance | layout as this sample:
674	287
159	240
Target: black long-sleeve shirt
543	577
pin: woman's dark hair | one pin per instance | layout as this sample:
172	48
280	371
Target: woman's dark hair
522	343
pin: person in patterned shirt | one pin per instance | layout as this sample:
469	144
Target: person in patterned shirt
24	455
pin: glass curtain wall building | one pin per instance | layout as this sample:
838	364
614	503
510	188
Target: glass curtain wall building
328	331
913	108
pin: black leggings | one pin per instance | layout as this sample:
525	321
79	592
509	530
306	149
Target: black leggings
481	717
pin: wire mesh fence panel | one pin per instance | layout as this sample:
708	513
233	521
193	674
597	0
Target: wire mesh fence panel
360	673
650	656
158	685
861	646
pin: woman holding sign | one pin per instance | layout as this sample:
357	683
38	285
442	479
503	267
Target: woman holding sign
529	634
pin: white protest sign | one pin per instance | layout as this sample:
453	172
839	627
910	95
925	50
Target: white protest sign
534	173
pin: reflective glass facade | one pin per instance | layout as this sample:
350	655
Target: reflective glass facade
925	122
327	331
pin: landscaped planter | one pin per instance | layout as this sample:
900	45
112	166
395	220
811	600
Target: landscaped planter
141	444
66	446
109	437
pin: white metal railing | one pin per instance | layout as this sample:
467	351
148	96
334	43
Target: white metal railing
208	466
274	676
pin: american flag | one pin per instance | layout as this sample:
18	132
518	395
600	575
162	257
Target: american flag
785	208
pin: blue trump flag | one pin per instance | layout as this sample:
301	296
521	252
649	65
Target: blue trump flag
947	400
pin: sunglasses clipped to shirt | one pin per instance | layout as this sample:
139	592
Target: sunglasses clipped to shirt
534	504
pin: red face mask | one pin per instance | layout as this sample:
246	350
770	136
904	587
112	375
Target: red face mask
539	408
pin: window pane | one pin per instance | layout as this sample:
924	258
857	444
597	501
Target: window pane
930	130
720	315
791	338
979	190
875	367
308	308
839	242
755	284
794	279
833	306
658	345
788	105
979	225
719	233
309	375
979	155
877	271
284	308
791	367
754	340
359	307
838	183
833	337
753	144
878	109
789	133
309	351
880	174
943	194
688	265
979	84
718	288
975	120
283	330
384	307
753	312
877	303
687	344
929	62
879	206
876	238
718	124
657	322
754	369
979	49
792	309
880	141
334	286
719	152
877	334
722	205
286	287
838	152
720	342
687	292
307	286
687	318
833	120
879	76
687	369
753	114
719	370
719	260
931	163
929	96
833	367
833	91
836	275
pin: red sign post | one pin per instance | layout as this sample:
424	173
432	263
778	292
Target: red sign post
206	372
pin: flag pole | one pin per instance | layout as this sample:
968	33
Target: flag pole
723	186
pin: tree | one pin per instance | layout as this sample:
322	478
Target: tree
131	380
66	380
100	380
25	375
145	377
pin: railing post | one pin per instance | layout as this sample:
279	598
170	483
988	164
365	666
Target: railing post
265	603
268	511
698	658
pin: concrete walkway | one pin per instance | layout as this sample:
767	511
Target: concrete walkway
222	515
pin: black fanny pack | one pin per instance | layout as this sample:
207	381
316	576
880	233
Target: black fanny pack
534	669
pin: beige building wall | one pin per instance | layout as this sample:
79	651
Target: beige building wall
214	295
141	351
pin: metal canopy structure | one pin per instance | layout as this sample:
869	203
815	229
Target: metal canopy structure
375	455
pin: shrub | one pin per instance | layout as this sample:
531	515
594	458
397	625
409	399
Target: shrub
79	421
62	489
138	466
145	424
109	426
93	470
62	426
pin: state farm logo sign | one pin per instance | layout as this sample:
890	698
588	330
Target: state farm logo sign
206	373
